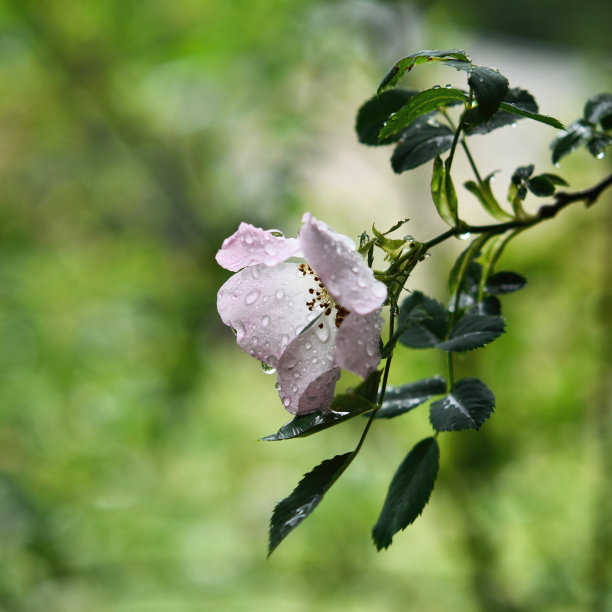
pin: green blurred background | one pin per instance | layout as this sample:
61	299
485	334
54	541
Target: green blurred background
135	137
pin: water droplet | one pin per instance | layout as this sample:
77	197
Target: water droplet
436	87
513	124
265	320
355	269
267	369
557	165
322	331
254	340
370	350
255	272
251	297
294	388
361	282
315	360
307	346
465	236
427	255
248	239
448	86
286	402
280	294
290	363
601	155
284	340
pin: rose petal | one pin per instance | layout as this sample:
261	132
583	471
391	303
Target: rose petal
266	307
250	245
342	270
357	343
306	372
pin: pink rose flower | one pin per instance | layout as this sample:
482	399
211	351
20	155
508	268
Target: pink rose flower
306	319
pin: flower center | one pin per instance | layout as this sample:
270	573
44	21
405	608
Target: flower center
321	298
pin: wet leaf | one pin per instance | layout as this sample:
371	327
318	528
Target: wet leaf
427	328
420	142
467	406
372	115
473	331
505	282
443	192
408	493
292	510
399	400
490	88
420	104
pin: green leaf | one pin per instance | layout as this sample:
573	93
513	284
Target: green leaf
443	192
452	57
505	282
373	114
473	331
392	247
420	104
576	134
541	186
597	144
290	512
599	109
485	196
344	406
520	98
517	191
490	88
421	332
467	406
517	110
399	400
409	492
422	140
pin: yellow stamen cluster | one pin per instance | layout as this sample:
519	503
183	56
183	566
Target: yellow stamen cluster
321	298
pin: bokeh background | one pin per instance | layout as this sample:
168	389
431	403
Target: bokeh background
135	136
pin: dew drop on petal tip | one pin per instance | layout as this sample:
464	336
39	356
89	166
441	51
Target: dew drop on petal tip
267	369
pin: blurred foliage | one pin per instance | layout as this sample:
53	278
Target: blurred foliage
135	136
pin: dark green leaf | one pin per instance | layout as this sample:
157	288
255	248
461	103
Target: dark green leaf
453	57
597	144
520	98
576	134
420	332
409	492
290	512
372	115
344	406
490	88
488	306
599	108
467	406
541	186
485	196
505	282
517	110
420	104
399	400
473	331
420	142
443	192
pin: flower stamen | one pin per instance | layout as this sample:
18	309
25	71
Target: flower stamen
322	300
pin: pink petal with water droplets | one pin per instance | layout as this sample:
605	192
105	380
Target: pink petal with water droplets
266	307
307	372
357	343
250	245
342	270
